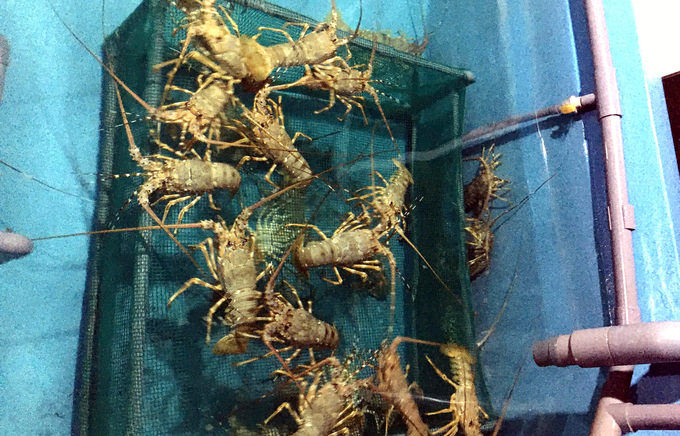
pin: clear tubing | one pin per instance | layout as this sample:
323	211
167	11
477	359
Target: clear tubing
573	104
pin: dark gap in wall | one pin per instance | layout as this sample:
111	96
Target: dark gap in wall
671	88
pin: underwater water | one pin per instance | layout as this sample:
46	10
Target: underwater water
86	323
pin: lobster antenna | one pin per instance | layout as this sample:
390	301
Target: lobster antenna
47	185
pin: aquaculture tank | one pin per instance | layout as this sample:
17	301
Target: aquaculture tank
368	175
344	186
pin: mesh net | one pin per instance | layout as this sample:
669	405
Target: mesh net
146	369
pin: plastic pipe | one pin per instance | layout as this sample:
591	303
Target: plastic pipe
609	346
4	61
571	105
631	418
614	392
14	246
621	213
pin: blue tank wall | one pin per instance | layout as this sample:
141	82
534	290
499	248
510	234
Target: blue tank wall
49	124
653	185
525	55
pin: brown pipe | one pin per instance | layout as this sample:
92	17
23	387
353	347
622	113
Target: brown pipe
621	214
614	391
631	418
633	344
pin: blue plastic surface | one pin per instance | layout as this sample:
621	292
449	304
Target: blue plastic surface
49	122
654	190
524	59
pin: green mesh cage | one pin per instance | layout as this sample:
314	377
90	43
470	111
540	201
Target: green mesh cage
146	369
